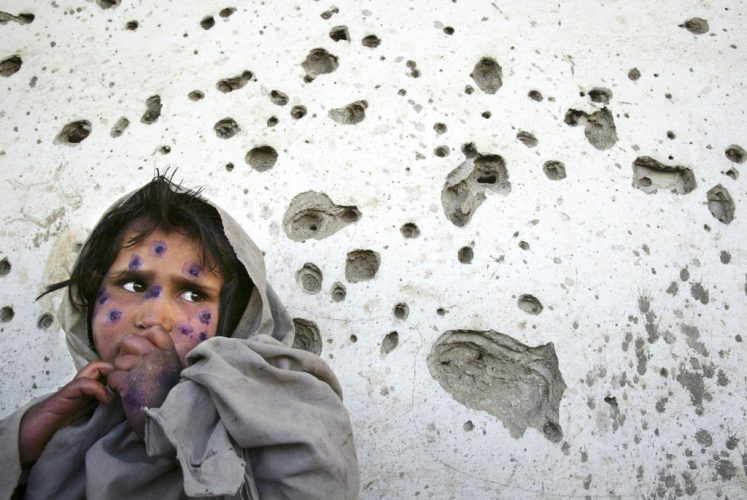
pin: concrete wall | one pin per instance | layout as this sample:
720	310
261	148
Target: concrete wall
636	272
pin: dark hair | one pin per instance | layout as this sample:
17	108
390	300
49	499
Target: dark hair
160	204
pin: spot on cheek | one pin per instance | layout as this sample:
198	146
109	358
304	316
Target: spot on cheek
203	336
153	292
158	248
185	329
205	317
135	263
102	296
114	315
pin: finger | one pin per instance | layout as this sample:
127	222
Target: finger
117	380
95	370
160	339
136	344
126	362
79	390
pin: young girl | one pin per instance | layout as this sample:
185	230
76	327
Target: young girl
187	384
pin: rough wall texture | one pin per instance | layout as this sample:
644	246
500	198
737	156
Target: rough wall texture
515	229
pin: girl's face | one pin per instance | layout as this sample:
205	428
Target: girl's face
158	283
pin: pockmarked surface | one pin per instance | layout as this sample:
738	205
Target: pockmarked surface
514	229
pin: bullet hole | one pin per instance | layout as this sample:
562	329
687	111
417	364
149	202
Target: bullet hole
721	204
226	128
44	321
695	25
554	170
529	304
164	150
449	30
390	342
401	311
234	83
229	167
297	112
371	41
441	151
330	12
196	95
535	95
132	25
307	336
6	314
670	135
313	215
524	245
272	121
650	175
261	158
441	311
106	4
468	89
227	12
410	230
486	114
207	22
339	33
74	132
152	109
465	255
527	138
319	62
119	127
733	173
489	371
600	95
353	339
338	292
466	186
611	400
10	66
278	98
488	75
469	149
439	127
735	153
353	113
309	278
701	294
4	267
361	265
599	126
23	18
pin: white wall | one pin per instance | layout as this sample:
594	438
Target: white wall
598	244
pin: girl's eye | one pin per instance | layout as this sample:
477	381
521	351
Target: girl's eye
133	286
192	296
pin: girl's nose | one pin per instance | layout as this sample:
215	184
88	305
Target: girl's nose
155	310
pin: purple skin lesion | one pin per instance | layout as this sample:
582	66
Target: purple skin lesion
114	315
185	329
158	248
203	336
205	317
153	292
193	270
135	263
102	296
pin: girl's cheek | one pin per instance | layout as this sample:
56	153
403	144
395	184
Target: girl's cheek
198	326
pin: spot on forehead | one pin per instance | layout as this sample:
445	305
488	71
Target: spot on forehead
114	315
158	248
185	329
205	317
153	292
135	262
192	269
